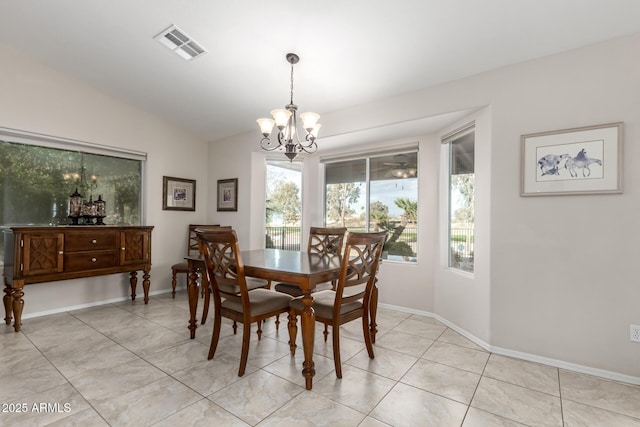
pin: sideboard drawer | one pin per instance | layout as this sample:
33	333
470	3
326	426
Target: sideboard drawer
80	261
90	240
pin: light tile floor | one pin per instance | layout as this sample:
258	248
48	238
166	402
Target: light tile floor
130	364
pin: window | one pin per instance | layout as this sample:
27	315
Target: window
373	194
36	182
461	198
345	194
283	204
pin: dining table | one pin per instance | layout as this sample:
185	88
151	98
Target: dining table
276	265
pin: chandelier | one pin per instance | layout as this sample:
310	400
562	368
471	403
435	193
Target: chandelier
287	123
86	184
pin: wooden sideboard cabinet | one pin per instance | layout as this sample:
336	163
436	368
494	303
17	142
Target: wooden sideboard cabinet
47	254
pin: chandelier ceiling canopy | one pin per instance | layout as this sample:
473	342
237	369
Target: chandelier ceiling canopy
286	121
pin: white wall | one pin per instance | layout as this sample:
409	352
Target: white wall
564	284
555	277
232	158
38	99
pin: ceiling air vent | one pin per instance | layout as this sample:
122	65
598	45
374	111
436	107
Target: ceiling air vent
182	44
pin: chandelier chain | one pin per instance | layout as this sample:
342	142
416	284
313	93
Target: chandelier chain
291	102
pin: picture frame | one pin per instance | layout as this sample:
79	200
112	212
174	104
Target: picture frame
584	160
228	195
178	194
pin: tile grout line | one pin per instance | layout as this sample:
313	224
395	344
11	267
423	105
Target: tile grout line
67	379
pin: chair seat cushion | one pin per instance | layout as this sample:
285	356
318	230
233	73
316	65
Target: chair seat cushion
294	290
323	304
180	266
252	283
261	301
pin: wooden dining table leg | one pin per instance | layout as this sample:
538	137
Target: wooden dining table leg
308	336
192	289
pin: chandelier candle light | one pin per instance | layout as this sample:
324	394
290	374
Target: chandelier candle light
287	122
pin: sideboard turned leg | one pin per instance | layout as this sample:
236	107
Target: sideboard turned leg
134	283
146	284
8	303
18	304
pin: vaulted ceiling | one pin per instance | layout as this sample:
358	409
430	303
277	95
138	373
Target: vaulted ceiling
352	52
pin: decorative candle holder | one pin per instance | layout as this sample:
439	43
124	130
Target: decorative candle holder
75	207
89	211
101	209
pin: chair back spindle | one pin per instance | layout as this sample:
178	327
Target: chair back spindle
322	240
359	268
328	241
224	264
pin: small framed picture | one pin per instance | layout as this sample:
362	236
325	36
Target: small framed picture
585	160
178	194
228	194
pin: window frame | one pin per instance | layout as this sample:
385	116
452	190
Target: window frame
410	149
270	160
448	139
17	136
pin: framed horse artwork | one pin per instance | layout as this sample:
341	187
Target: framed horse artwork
586	160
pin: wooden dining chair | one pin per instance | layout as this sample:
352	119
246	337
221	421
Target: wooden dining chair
231	295
326	241
192	250
206	289
352	297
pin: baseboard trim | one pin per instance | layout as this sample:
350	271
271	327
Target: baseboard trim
561	364
87	305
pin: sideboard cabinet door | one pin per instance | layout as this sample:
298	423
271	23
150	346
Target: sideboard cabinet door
135	246
42	253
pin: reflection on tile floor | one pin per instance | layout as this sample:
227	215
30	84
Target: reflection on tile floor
127	364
